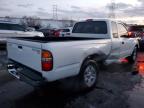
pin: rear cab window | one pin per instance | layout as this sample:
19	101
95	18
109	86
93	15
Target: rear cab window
4	26
16	27
91	27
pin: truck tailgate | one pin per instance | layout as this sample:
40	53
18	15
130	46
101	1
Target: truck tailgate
25	52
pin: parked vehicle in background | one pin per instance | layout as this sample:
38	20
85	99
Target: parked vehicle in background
56	32
9	29
137	31
45	31
30	29
41	60
65	32
50	32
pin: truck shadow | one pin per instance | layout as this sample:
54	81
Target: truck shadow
50	97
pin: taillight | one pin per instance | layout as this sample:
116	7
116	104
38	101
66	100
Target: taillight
129	33
57	33
46	60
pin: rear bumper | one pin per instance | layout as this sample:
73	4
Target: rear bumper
25	74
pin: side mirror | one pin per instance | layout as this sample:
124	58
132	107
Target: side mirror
126	35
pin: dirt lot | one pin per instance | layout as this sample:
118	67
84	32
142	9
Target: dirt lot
115	85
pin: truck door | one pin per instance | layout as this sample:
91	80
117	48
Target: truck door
115	51
125	42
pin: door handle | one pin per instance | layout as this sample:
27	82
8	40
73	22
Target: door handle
122	42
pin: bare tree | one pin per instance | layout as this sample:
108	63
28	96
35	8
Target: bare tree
72	22
8	18
31	22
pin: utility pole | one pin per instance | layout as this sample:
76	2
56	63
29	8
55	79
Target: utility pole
112	8
55	16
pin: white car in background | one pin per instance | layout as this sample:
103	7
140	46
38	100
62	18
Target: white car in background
66	32
9	29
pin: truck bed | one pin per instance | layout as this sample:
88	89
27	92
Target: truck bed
68	53
54	39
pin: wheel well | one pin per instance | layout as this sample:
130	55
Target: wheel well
95	57
91	57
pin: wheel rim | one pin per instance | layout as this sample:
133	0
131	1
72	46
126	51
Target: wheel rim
134	54
90	76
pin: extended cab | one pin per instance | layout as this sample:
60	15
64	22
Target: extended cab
38	60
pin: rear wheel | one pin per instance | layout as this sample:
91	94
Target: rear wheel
85	81
88	75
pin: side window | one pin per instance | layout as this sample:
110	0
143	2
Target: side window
17	27
114	30
122	30
4	26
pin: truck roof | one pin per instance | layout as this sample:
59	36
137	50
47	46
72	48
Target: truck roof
100	19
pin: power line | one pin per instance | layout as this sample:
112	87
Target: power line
55	16
112	8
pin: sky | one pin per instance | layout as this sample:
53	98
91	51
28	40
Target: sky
73	9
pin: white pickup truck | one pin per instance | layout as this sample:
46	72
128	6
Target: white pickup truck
36	60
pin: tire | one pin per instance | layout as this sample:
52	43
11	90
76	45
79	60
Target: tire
141	43
88	75
133	56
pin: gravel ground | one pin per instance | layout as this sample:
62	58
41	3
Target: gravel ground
110	92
